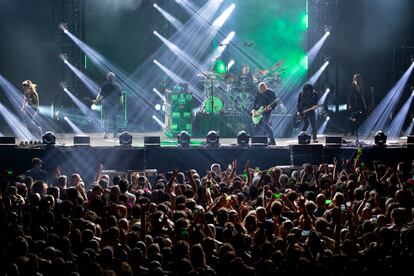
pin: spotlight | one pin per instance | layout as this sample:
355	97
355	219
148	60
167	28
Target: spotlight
155	32
243	139
380	138
328	29
213	139
49	138
157	107
125	139
327	58
63	57
155	5
231	63
95	107
64	27
328	118
304	138
183	139
412	58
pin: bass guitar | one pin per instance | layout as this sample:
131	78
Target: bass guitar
257	115
300	116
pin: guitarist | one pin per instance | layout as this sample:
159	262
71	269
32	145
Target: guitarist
30	108
308	99
267	99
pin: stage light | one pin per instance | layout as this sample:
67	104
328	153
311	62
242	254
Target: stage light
328	29
162	97
155	32
231	63
155	5
243	139
328	118
157	107
327	58
318	73
49	138
74	127
220	67
125	139
304	138
213	139
380	138
183	139
219	22
95	107
63	27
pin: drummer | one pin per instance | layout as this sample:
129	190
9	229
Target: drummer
245	74
246	79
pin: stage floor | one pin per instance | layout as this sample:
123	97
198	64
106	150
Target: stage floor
97	140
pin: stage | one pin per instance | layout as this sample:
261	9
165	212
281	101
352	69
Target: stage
124	159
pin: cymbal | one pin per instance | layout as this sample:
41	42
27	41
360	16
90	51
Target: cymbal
206	74
278	64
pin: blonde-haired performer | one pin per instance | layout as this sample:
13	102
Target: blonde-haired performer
30	107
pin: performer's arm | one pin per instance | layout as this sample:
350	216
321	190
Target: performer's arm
272	102
98	99
36	101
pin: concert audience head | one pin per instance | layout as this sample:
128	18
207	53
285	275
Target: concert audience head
186	223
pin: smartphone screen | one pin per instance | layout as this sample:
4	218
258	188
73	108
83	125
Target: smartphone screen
305	233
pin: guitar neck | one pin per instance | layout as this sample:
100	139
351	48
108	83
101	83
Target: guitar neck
273	102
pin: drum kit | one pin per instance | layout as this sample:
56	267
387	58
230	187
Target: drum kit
232	95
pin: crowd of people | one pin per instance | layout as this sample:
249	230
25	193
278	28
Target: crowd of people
342	218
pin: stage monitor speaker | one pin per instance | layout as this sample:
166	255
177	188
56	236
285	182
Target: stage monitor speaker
410	141
7	140
333	141
259	141
152	141
81	140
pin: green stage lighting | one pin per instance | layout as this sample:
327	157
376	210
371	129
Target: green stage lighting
220	67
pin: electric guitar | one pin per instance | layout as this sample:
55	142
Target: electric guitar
257	115
300	116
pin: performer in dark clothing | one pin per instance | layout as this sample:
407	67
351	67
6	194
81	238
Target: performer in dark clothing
245	79
110	96
30	108
267	99
308	99
356	104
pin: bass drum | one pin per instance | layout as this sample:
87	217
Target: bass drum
213	105
243	103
